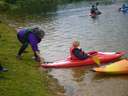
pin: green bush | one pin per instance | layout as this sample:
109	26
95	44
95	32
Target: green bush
33	6
4	6
11	1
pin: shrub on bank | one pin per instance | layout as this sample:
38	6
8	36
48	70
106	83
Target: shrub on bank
25	7
4	6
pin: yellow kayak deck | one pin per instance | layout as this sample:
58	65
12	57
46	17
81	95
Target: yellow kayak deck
119	67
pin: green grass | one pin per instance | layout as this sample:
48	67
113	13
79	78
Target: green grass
23	77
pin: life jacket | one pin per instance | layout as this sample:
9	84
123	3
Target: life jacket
73	57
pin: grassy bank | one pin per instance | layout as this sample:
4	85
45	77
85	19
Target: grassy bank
23	78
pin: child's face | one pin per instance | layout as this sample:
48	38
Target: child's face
76	44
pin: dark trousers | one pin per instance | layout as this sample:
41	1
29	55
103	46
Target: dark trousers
24	45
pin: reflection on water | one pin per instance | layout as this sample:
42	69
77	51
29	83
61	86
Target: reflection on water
109	32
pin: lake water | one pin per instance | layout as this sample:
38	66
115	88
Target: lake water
108	32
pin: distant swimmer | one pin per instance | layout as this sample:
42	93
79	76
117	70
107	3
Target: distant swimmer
124	8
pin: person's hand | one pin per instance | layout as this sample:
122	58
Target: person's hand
39	58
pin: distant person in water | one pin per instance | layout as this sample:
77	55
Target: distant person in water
30	36
94	9
77	53
124	8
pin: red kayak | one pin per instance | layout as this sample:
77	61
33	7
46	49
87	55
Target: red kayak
93	15
104	57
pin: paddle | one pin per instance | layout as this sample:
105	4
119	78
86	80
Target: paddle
96	59
46	62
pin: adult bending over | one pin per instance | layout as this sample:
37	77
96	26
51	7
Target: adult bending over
30	36
77	53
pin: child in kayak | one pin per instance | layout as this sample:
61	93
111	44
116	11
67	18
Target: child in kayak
30	36
77	53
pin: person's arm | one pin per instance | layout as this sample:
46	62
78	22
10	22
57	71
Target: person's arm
38	57
81	55
33	40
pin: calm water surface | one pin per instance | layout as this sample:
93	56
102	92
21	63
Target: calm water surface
109	32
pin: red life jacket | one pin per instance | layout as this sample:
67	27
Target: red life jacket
73	57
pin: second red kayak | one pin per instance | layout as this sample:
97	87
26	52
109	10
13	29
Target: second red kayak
104	57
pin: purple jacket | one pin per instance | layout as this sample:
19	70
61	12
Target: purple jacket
32	38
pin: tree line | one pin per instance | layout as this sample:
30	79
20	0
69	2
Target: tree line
32	6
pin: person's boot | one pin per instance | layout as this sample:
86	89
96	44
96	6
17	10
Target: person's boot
2	69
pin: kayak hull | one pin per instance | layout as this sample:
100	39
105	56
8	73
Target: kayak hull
120	67
104	57
94	15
